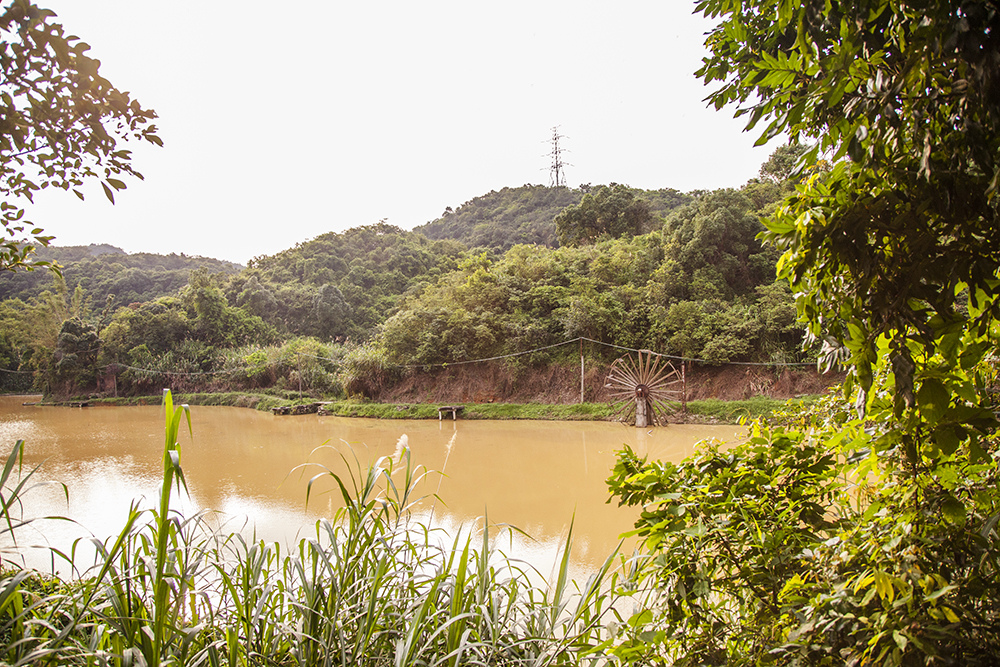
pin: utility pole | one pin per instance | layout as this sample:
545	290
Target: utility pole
557	176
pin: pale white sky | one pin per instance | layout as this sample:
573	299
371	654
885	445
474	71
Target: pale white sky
283	121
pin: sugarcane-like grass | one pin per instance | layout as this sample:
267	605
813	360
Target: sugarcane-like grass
371	586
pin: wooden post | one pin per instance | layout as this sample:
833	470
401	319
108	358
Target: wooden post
581	370
298	360
642	406
641	416
684	387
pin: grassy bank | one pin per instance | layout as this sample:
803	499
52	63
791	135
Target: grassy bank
705	411
233	399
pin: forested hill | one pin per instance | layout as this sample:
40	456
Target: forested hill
502	219
341	285
103	269
369	266
695	282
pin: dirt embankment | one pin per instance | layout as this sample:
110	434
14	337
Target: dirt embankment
491	382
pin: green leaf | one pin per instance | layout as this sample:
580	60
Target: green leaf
697	530
973	354
976	452
641	618
933	399
884	587
949	345
944	590
953	510
947	438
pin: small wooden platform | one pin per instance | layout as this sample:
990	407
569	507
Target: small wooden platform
453	409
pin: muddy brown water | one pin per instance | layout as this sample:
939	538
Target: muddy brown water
248	466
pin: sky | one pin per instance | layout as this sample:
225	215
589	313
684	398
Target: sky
284	121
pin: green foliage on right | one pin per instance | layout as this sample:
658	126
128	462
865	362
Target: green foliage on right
803	546
863	531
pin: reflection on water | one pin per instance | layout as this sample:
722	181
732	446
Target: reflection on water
248	465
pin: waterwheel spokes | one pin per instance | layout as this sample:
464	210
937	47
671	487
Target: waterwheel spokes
640	388
664	376
626	373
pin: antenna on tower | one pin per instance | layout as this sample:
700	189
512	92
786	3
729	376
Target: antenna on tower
557	176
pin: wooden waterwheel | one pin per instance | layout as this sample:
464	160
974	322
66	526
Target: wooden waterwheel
644	390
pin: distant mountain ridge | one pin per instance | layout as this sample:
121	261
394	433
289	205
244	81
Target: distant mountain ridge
75	253
502	219
103	269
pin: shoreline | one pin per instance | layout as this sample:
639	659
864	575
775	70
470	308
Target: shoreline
704	411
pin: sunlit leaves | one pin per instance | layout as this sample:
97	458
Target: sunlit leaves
883	246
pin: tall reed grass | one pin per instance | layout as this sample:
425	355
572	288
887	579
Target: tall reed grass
371	586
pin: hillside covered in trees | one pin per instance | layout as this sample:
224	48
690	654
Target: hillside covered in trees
861	529
700	286
104	270
341	285
682	274
511	216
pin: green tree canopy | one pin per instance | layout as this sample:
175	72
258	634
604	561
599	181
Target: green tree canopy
362	273
715	237
903	96
609	210
108	271
507	217
75	355
782	163
62	123
504	218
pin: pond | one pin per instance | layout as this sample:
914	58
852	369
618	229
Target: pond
248	466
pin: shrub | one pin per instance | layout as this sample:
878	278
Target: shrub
366	370
795	548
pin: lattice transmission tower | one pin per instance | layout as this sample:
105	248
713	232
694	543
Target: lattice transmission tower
557	175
